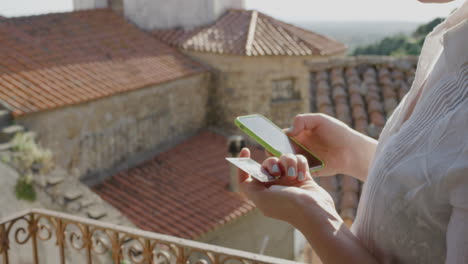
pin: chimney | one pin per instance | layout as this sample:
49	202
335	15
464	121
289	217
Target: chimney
169	14
89	4
117	6
235	145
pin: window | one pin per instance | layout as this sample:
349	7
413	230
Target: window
284	90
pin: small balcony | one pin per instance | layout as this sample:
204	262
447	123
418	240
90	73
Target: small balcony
43	236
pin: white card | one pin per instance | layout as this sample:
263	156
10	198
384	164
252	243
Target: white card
252	167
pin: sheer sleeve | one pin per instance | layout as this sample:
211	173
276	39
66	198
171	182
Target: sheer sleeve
457	231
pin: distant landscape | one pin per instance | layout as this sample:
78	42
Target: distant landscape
355	34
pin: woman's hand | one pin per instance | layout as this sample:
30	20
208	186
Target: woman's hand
284	200
343	149
305	205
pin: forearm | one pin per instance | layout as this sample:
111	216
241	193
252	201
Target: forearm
328	235
360	155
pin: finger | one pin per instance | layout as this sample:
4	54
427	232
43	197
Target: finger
241	175
302	168
288	164
304	122
271	165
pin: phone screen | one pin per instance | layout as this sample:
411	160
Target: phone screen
276	138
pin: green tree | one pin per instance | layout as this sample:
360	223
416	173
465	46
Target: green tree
425	29
400	44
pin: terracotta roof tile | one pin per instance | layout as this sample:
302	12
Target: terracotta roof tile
251	33
398	75
180	192
355	99
54	60
359	113
361	92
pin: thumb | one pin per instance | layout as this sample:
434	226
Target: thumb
249	187
242	176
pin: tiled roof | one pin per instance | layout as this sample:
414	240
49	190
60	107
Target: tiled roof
54	60
180	192
251	33
362	92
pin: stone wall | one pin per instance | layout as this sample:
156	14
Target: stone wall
253	232
118	131
244	85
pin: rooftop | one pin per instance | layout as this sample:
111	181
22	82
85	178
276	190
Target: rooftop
251	33
180	192
362	92
55	60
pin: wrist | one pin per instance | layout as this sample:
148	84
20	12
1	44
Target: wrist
313	211
360	155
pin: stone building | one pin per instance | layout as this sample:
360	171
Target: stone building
98	91
258	64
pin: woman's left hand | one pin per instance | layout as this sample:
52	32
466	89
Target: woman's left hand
285	200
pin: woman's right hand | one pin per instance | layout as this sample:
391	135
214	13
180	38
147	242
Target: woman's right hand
343	150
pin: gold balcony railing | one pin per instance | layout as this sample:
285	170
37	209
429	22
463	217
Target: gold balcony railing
43	236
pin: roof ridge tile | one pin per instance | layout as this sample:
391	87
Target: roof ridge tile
251	33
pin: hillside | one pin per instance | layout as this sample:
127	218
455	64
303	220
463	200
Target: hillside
400	44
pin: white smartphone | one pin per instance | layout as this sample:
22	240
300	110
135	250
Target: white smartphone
273	139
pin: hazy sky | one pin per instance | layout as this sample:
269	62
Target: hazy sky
355	10
32	7
290	10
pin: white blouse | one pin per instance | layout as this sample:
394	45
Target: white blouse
414	205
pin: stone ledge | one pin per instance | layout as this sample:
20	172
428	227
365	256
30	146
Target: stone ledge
7	133
5	117
59	190
6	146
86	202
54	180
96	212
72	194
401	63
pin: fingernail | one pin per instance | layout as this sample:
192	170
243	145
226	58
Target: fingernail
275	169
291	172
301	176
291	128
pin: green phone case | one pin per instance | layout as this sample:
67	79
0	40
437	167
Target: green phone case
267	146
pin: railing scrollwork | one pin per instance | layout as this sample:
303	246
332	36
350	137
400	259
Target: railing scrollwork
106	243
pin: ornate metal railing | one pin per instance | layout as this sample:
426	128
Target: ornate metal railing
34	235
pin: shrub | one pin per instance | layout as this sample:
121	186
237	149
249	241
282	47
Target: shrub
28	158
24	189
